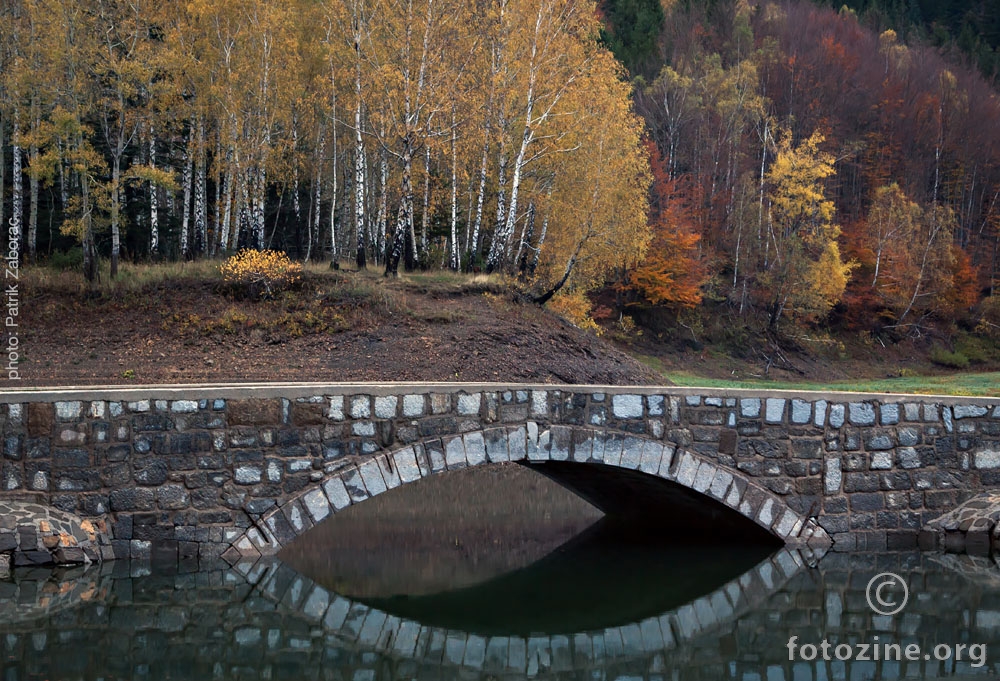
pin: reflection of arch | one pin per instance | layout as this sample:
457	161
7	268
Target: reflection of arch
40	593
376	631
641	460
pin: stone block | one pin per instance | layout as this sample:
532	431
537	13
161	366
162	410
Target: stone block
987	458
354	484
861	413
626	406
385	406
413	405
308	414
336	492
469	405
68	411
750	408
184	406
255	412
41	419
248	475
440	403
361	407
801	411
774	410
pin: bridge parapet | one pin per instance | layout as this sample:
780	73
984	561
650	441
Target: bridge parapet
189	471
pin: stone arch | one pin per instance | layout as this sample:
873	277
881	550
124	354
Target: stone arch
475	654
530	442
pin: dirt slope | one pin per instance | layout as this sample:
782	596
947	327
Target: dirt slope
339	326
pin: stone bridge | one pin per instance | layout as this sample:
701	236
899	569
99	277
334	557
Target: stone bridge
196	472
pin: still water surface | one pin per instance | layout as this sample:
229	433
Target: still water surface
494	576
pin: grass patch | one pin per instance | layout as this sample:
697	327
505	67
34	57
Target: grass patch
946	358
132	278
964	384
446	282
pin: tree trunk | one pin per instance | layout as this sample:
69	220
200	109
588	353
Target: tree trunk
116	174
259	196
33	160
515	185
217	215
359	173
495	258
404	216
538	248
17	183
201	193
426	217
227	209
186	210
333	188
527	232
473	246
154	217
456	263
90	271
318	197
382	215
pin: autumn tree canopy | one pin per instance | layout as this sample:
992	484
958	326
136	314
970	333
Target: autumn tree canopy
430	132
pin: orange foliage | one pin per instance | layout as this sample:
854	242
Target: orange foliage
671	274
964	292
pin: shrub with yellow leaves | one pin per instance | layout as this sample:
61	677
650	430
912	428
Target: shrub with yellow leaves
574	307
260	274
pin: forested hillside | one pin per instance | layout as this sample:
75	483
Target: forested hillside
811	170
780	165
443	132
971	27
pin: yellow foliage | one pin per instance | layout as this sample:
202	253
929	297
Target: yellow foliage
260	273
574	307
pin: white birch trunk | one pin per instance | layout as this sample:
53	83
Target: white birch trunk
33	160
259	187
318	198
154	209
200	193
538	248
217	214
456	262
473	246
296	206
495	257
382	218
17	182
527	231
227	197
404	216
333	188
426	217
63	190
186	211
515	183
359	169
116	175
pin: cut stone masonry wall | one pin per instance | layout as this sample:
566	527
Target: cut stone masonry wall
189	472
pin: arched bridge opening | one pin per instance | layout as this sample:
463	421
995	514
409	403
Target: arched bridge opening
633	478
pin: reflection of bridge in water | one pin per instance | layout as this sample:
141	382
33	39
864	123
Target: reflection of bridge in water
265	621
